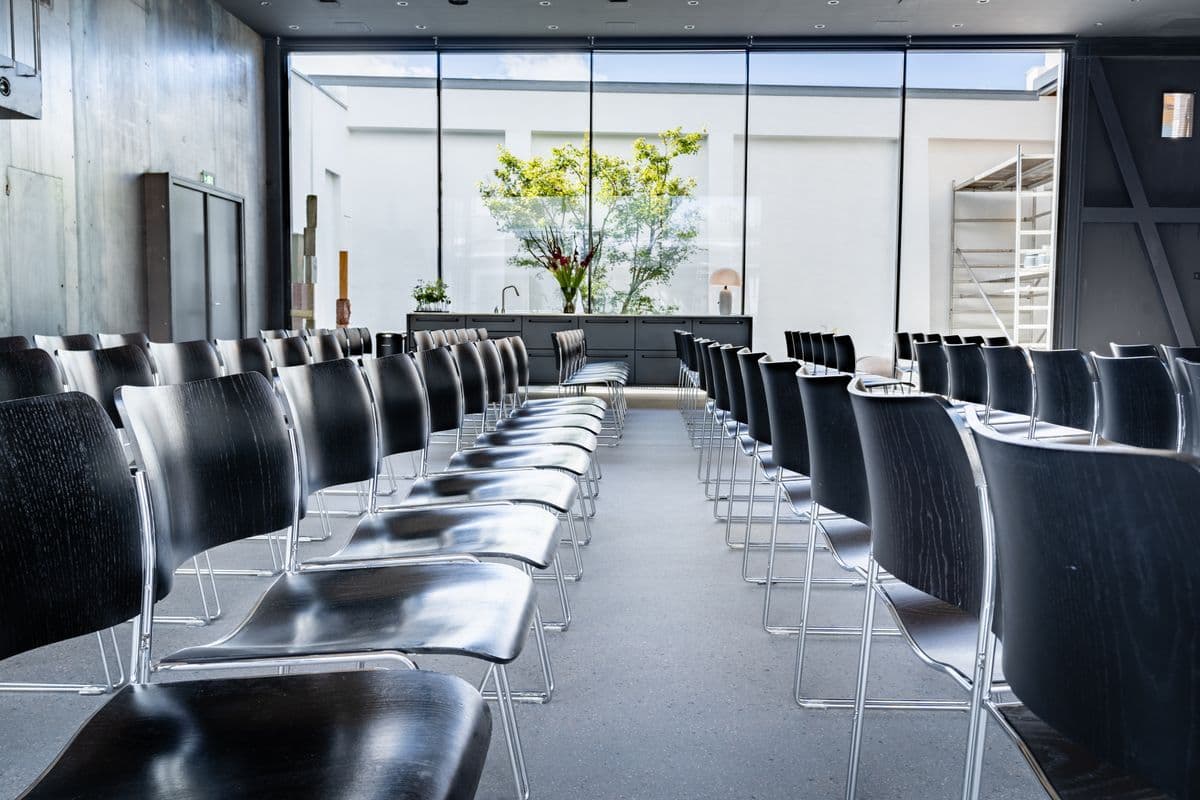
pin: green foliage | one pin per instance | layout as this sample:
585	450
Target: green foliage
643	225
427	294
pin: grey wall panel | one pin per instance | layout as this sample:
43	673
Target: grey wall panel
224	267
131	87
1118	301
37	252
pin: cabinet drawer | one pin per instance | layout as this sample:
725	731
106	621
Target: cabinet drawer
536	330
497	325
608	333
541	368
725	330
656	369
658	333
433	322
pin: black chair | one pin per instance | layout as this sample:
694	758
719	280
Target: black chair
222	467
180	362
975	339
1134	350
439	338
277	333
806	355
828	351
368	343
29	373
1138	403
11	343
919	337
120	339
932	367
952	338
245	355
99	373
475	389
1010	392
1102	659
758	432
78	528
1190	374
843	350
289	351
422	340
927	532
521	360
75	341
354	342
739	417
324	347
903	353
791	342
1174	358
931	337
1064	389
789	449
342	336
526	416
997	341
967	373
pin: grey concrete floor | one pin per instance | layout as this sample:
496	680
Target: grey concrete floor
668	688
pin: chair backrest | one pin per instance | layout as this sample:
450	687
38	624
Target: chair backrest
1064	390
918	337
439	338
98	373
933	337
277	333
11	343
472	335
716	372
839	479
493	367
451	336
508	360
219	460
732	370
474	379
1102	628
1134	350
806	347
330	408
698	344
828	351
290	351
952	338
74	341
325	347
482	333
997	341
71	553
368	344
353	344
422	340
1009	379
926	525
1174	358
904	344
968	373
245	355
401	403
785	409
118	339
790	341
1138	404
522	356
180	362
443	388
979	340
843	352
932	367
1191	376
29	373
758	417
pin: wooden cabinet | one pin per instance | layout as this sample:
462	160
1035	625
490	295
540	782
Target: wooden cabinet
195	260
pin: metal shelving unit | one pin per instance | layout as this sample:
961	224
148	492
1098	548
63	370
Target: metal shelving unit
1005	287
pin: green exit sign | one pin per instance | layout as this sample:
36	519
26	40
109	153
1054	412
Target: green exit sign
208	178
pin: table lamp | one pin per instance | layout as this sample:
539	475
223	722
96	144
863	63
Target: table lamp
725	278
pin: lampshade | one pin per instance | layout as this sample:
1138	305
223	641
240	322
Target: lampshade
725	277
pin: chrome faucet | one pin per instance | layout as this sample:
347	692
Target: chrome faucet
504	293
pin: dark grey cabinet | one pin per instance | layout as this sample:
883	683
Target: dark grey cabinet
195	260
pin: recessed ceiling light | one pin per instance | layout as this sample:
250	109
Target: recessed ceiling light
265	2
1099	24
693	2
832	2
983	2
401	2
544	2
420	27
551	27
293	27
957	25
689	27
819	26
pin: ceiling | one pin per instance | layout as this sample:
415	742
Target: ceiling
713	18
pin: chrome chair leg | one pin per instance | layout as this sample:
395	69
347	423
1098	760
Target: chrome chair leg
860	693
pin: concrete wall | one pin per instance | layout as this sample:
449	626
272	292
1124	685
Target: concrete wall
131	86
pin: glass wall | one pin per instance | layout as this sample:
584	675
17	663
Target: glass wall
514	175
822	194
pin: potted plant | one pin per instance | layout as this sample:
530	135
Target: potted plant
569	271
432	296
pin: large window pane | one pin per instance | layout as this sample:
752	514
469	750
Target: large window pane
978	255
822	195
514	174
667	204
364	141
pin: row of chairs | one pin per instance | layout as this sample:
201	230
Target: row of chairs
973	538
354	342
576	374
230	458
428	340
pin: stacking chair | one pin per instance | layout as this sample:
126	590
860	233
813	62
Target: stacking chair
514	359
410	734
451	336
843	350
997	341
1105	673
1010	390
976	339
1065	391
223	466
723	425
10	343
98	373
927	532
828	352
472	334
1174	358
967	373
1190	374
324	347
422	340
933	337
1138	403
790	340
245	355
738	432
278	333
180	362
807	353
952	338
502	381
75	341
474	384
28	373
290	351
353	347
758	433
482	333
904	354
439	338
368	343
932	367
1134	350
119	339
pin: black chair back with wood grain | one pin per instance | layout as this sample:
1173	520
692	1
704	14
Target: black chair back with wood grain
1009	379
29	373
968	373
1134	350
1064	389
932	367
403	407
785	409
219	460
245	355
325	347
443	387
839	478
98	373
1174	358
180	362
1138	403
290	351
1102	628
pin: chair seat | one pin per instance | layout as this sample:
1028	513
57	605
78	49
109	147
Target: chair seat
798	492
554	411
543	487
585	421
481	610
500	530
940	632
748	443
1073	772
733	427
849	543
334	736
565	402
518	456
576	437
